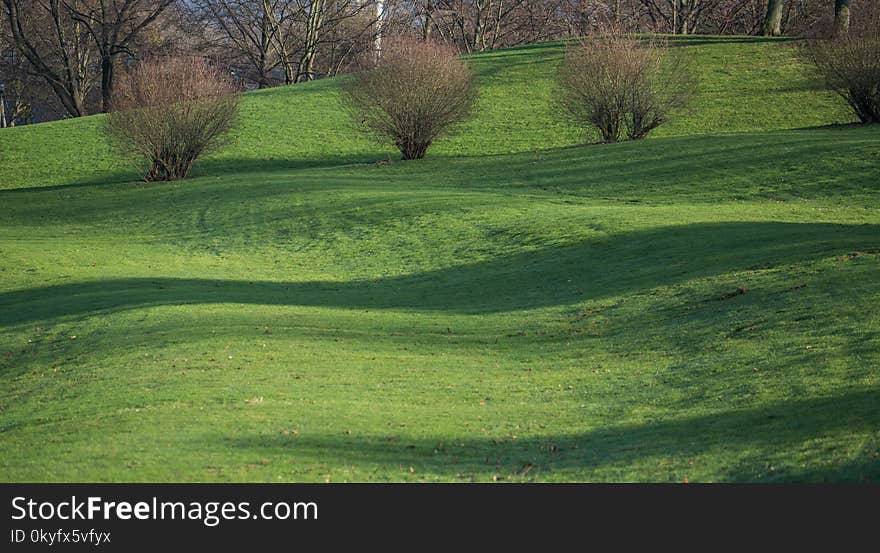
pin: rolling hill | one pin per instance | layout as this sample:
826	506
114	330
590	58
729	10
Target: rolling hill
518	306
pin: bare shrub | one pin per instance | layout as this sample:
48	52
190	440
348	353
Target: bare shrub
620	85
417	92
849	62
171	111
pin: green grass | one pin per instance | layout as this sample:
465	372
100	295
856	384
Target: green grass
699	305
744	85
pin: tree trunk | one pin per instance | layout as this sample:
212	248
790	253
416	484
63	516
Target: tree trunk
305	69
676	8
380	21
479	38
773	21
841	16
265	72
426	31
289	73
413	149
107	76
306	63
72	99
20	110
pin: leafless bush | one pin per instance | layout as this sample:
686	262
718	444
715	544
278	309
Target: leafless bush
849	62
417	92
618	84
171	111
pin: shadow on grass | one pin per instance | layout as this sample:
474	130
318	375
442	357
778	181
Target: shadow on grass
561	275
733	165
214	167
697	40
755	434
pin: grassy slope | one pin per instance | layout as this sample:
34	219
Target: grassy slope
511	308
290	127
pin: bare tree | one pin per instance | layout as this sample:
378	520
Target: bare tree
260	31
56	47
849	63
113	26
321	19
169	112
615	84
18	88
474	25
479	25
418	91
423	14
679	17
305	38
17	85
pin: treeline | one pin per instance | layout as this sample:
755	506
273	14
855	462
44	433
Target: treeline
63	58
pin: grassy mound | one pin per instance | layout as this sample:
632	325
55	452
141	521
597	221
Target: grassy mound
516	307
745	84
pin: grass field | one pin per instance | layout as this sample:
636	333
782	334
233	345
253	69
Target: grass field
516	307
